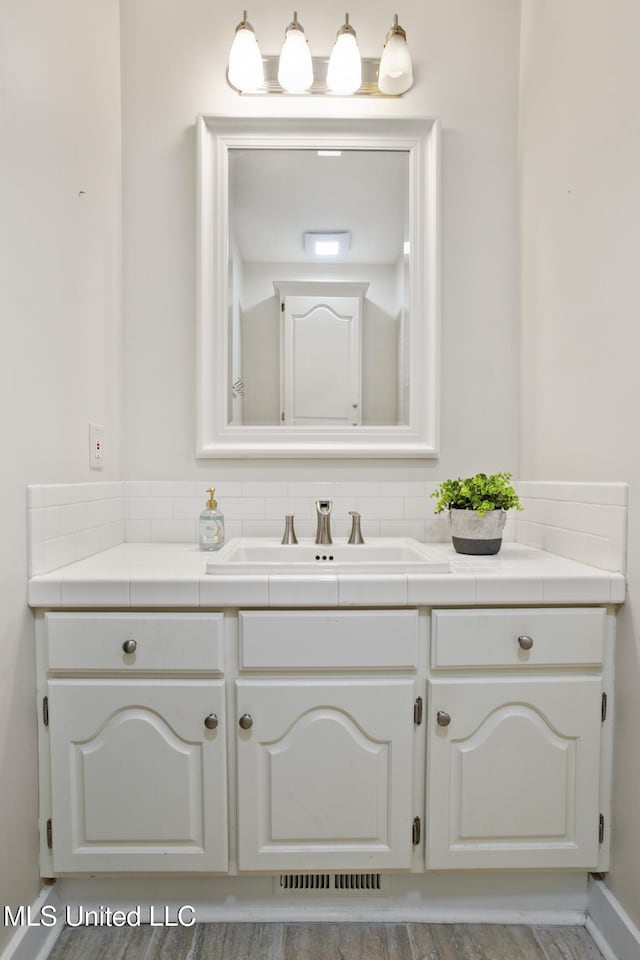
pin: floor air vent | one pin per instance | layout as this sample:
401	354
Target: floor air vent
332	884
305	881
357	881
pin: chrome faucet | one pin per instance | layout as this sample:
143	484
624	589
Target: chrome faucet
356	533
323	531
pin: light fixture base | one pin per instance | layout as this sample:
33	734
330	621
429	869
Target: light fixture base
369	87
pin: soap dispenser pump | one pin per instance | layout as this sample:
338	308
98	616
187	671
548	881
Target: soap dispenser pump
211	527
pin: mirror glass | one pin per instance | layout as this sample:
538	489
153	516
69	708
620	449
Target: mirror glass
317	279
318	287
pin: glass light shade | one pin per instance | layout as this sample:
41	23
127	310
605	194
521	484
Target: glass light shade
344	74
295	69
246	71
395	74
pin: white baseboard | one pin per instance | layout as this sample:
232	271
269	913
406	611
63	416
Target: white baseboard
36	942
448	897
610	926
613	930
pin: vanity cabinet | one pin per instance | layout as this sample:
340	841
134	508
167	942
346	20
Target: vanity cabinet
326	763
515	735
134	715
345	740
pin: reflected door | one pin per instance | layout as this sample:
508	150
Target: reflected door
321	360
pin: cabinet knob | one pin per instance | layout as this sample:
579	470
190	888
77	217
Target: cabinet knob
443	718
211	722
246	721
130	646
525	643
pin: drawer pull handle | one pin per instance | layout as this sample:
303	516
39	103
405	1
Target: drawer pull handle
246	721
130	646
443	718
211	722
525	643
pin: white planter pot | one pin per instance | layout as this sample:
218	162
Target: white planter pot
471	533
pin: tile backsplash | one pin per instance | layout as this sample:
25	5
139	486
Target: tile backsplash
581	521
71	521
163	511
68	522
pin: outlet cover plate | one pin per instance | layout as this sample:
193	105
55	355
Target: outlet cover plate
96	446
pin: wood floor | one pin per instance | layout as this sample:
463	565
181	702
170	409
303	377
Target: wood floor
327	941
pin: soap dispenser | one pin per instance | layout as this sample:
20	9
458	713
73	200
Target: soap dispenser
211	527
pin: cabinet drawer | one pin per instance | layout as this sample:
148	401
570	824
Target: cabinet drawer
163	641
319	640
493	638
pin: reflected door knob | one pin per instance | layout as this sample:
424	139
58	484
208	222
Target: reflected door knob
130	646
211	722
525	643
246	721
443	718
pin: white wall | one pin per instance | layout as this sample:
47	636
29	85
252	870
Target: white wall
580	181
60	331
173	66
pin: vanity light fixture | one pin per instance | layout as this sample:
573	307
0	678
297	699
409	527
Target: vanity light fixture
324	244
246	70
395	75
295	71
344	73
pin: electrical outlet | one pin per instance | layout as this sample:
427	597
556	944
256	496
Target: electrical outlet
96	446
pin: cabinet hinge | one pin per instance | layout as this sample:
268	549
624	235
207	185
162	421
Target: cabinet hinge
49	834
603	708
417	712
416	831
601	829
282	306
45	711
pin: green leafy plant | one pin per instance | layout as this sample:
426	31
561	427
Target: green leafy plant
480	493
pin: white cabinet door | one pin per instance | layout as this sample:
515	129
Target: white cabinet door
138	781
513	778
325	774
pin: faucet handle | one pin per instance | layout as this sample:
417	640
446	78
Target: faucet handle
289	535
356	533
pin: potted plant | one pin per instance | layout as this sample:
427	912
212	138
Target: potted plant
477	510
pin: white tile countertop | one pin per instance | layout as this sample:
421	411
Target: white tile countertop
161	575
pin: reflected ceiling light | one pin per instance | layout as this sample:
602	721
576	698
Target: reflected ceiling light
324	244
395	75
295	69
344	74
329	153
246	71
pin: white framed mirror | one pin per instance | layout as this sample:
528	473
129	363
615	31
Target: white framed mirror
317	287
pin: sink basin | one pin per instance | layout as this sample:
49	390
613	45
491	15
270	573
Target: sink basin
382	555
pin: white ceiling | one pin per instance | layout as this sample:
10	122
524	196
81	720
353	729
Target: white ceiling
275	196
